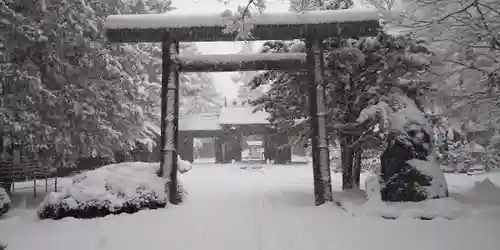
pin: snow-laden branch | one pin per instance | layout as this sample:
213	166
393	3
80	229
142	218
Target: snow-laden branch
396	117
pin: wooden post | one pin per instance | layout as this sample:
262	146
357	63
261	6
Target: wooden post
283	151
187	147
218	149
238	150
57	175
317	110
169	118
34	184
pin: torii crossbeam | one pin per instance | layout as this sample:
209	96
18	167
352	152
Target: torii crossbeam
313	26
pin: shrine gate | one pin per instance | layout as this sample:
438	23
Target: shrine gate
312	26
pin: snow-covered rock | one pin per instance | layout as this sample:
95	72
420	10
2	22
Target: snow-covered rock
4	201
112	189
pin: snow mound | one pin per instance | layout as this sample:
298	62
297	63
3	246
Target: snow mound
361	203
483	192
4	202
482	200
445	208
112	189
184	166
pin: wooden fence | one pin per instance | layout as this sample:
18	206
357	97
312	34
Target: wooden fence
25	169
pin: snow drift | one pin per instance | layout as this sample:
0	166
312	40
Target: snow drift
483	192
482	200
4	202
112	189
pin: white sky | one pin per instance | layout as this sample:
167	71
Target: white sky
222	80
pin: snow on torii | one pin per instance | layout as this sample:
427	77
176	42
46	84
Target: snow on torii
266	26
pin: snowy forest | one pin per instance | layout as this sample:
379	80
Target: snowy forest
68	93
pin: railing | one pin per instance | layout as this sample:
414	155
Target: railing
25	169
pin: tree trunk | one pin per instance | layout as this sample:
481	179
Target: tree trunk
357	167
347	157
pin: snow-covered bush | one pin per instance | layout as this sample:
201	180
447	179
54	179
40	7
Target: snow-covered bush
113	189
464	146
458	155
409	170
335	160
2	246
491	156
184	166
370	160
4	202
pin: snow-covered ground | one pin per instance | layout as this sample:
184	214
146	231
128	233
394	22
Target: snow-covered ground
271	208
295	159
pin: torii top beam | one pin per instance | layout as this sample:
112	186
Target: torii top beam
266	26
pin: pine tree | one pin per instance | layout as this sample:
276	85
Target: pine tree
68	93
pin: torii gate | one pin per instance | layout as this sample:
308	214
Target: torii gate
313	26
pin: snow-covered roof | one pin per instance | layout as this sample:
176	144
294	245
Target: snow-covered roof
199	123
183	20
236	115
254	143
242	115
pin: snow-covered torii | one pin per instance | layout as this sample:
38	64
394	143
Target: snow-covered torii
312	26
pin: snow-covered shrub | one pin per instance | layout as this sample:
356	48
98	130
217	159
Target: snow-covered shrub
458	155
370	160
491	157
491	160
4	202
2	246
409	170
335	159
460	147
184	166
462	156
113	189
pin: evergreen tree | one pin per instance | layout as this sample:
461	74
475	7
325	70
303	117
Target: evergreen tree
67	92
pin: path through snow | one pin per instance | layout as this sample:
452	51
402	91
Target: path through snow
234	209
